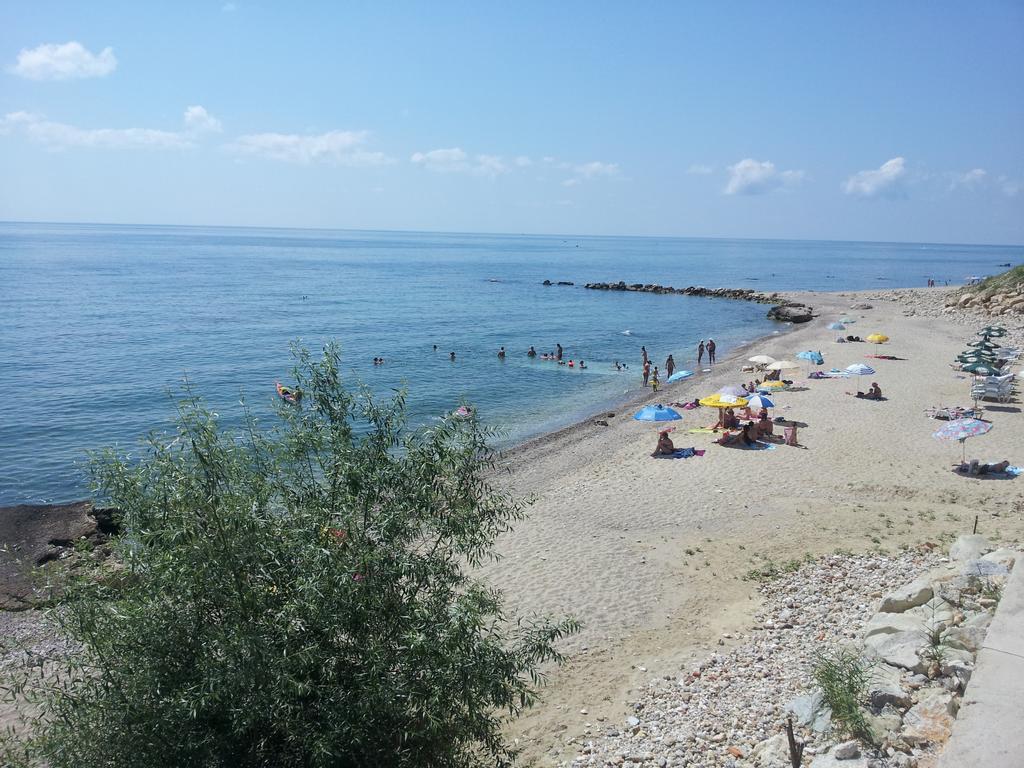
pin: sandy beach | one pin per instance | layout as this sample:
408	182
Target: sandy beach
652	554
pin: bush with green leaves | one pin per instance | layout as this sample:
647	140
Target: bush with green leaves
298	596
843	676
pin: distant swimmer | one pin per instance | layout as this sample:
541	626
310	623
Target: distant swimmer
435	347
617	366
700	352
451	356
711	350
532	352
558	351
501	353
582	364
571	364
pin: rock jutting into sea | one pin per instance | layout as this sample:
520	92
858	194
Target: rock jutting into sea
785	311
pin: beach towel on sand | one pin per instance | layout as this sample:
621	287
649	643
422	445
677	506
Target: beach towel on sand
681	453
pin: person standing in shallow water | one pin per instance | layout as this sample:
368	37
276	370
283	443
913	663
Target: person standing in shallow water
558	351
670	365
647	371
501	353
700	352
643	354
711	351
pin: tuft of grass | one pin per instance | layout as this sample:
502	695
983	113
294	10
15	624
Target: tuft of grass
843	677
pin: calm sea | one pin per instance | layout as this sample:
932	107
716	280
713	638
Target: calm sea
98	322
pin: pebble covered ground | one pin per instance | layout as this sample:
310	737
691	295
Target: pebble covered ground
715	712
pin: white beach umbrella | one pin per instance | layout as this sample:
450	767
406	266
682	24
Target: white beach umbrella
761	359
783	365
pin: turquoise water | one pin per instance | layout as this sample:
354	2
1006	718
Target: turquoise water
98	322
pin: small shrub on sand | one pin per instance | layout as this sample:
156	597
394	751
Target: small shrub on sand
843	677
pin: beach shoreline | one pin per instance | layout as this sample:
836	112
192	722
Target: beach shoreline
653	555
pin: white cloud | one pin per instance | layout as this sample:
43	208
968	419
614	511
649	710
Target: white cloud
1010	187
886	181
65	61
456	160
587	171
59	136
198	120
338	147
753	177
523	161
700	170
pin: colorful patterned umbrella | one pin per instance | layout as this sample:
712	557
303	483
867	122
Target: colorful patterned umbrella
757	402
961	429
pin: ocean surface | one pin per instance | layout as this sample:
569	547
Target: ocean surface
98	323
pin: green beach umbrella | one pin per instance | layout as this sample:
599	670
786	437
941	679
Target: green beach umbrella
992	331
982	369
983	344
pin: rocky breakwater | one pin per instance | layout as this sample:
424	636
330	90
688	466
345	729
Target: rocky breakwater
784	311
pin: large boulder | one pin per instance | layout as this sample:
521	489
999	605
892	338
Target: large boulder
884	687
899	649
790	314
891	623
930	721
917	592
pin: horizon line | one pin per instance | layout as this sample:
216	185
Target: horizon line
499	234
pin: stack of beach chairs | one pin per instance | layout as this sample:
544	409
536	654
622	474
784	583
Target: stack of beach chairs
999	388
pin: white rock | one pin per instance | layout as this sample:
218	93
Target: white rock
969	547
846	751
829	760
917	592
884	687
1006	557
899	649
891	623
771	753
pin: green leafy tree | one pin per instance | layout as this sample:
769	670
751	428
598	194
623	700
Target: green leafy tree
301	596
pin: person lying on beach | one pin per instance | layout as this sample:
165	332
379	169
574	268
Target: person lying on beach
665	445
983	469
747	436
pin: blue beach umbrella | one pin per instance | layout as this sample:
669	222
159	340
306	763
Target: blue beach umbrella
757	402
814	357
679	376
836	327
656	413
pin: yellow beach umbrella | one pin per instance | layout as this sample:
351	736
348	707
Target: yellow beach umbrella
878	338
723	401
772	385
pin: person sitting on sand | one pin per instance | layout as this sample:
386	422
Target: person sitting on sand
749	434
764	424
874	392
729	420
665	445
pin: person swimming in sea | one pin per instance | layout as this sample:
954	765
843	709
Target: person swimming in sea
501	353
451	356
531	352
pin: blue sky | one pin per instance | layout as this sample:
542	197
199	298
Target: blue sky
865	121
